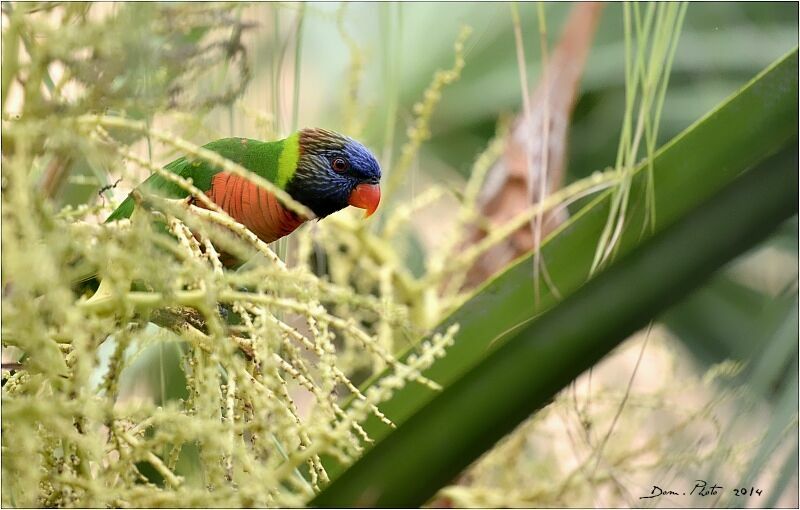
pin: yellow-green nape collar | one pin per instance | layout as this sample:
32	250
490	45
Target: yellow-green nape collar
287	162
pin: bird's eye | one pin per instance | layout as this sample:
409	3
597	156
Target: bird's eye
339	164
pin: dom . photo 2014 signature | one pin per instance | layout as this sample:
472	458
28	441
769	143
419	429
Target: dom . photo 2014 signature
702	488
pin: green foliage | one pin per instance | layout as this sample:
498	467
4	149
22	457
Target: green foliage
185	384
248	367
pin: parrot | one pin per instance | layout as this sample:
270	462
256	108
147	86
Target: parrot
321	169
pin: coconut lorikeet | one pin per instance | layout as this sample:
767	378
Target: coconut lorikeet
321	169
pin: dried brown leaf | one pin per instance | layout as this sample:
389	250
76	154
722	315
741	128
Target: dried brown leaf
511	183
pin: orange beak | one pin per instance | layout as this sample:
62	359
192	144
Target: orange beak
366	196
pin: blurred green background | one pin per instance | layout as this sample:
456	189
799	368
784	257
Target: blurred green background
721	47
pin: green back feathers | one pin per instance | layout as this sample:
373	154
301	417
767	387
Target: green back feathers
274	161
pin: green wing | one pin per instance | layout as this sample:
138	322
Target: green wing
259	157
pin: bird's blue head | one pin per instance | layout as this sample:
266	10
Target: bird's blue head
334	171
